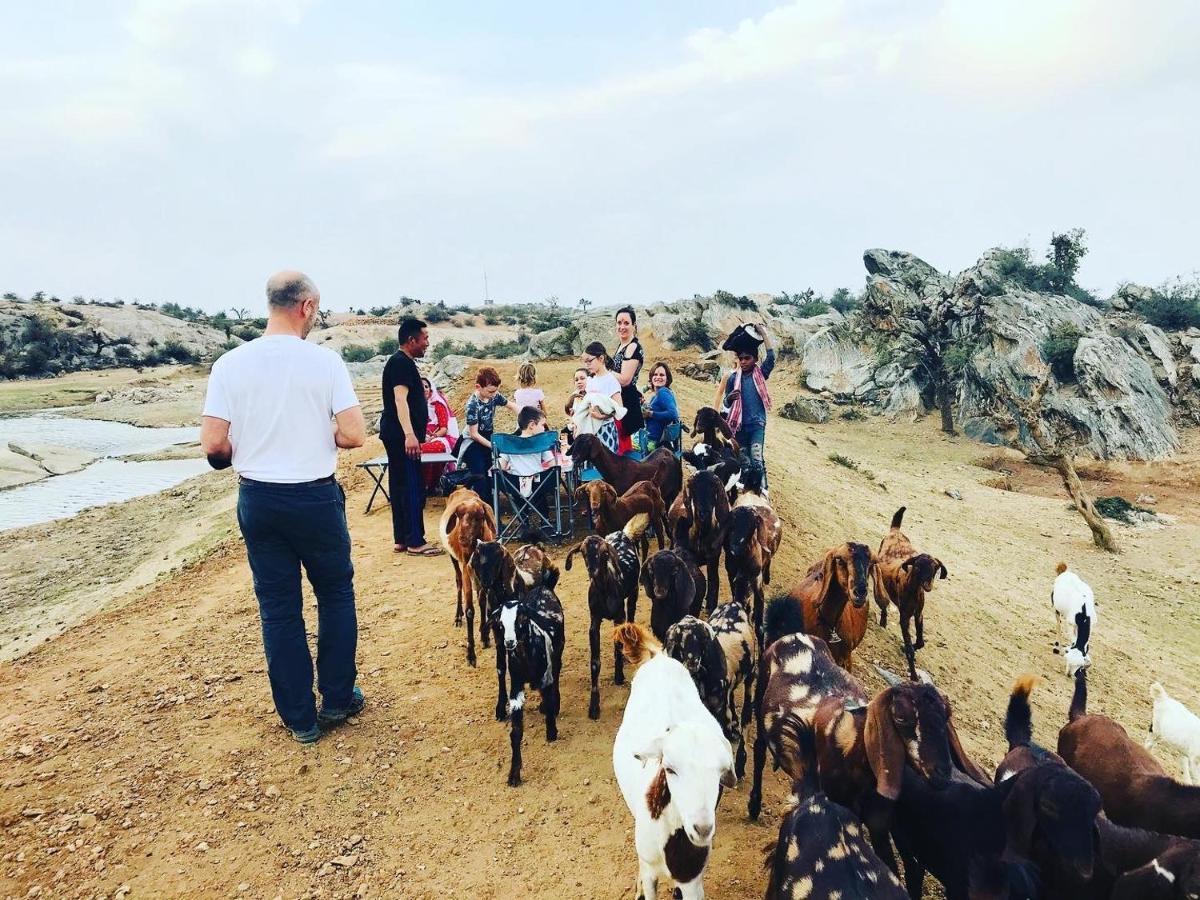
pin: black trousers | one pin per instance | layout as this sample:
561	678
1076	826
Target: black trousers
407	490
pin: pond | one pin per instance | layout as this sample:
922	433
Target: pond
107	480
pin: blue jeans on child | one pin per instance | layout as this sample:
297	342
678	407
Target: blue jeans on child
287	526
751	439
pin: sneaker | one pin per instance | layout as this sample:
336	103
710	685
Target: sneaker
307	737
331	717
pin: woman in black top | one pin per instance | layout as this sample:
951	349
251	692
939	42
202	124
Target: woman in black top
626	364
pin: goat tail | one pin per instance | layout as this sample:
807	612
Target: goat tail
1079	698
784	616
1060	568
1158	693
898	517
637	644
636	526
1018	720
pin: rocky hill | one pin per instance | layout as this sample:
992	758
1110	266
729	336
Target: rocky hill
50	338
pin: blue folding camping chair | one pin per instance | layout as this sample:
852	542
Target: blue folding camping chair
536	499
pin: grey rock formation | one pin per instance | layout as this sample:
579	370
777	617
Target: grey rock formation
834	362
449	369
806	409
555	344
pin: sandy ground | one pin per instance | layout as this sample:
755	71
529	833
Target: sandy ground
142	752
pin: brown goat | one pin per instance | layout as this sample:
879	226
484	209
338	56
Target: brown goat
833	598
661	467
862	748
674	584
1135	789
466	522
697	519
905	576
610	512
752	539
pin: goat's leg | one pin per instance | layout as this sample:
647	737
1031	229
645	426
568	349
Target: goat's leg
485	632
470	631
759	604
920	631
516	708
760	748
1189	769
631	606
909	653
876	815
501	673
458	584
647	886
714	576
747	685
594	647
914	877
550	703
618	659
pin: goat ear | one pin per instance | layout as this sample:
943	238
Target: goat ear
729	779
958	756
1020	811
550	575
828	573
682	581
942	573
885	749
580	494
907	564
652	752
882	596
576	549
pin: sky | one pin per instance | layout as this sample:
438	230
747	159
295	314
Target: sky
183	150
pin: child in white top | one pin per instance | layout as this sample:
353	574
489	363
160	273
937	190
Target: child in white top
529	394
525	465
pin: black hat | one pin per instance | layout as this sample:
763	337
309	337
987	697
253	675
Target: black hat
745	339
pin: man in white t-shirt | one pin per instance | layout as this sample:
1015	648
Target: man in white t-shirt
277	409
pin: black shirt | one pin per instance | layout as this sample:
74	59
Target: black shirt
402	371
631	397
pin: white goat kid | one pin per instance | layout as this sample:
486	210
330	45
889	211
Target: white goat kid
1075	614
1177	726
671	759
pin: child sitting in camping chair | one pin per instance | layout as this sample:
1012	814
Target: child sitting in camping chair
529	479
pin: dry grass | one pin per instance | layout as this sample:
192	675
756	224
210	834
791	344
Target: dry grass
1001	483
996	462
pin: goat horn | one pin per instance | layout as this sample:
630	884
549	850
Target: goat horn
925	678
891	678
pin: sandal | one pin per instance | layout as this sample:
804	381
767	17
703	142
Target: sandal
399	548
427	550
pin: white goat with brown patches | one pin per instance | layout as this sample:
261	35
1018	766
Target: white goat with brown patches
671	760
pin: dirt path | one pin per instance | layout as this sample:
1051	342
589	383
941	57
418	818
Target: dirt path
141	749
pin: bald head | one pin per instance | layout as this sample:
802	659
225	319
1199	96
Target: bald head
287	289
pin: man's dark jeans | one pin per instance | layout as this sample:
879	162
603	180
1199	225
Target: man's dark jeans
286	526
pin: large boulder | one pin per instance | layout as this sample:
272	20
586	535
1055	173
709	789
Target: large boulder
806	409
54	459
833	361
449	369
555	344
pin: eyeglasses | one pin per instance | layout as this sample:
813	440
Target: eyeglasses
588	360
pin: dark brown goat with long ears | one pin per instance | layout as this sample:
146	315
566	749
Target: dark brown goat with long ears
833	598
1135	789
697	519
905	577
661	467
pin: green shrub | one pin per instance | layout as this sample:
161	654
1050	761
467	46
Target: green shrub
357	353
843	301
177	352
388	346
691	333
380	311
1174	312
437	313
35	360
123	352
813	307
1059	350
248	332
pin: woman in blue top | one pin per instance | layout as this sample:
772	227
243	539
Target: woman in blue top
661	409
744	392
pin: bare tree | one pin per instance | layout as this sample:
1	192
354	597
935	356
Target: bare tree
240	313
1055	442
583	304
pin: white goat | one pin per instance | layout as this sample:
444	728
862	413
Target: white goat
1075	613
671	759
1179	727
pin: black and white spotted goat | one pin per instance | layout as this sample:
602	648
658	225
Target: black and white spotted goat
613	565
530	634
731	624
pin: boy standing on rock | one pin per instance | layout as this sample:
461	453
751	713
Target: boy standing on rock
268	413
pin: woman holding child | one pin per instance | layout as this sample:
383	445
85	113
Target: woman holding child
599	409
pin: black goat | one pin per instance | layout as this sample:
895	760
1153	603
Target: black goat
822	851
958	835
613	565
530	635
1051	812
694	644
675	585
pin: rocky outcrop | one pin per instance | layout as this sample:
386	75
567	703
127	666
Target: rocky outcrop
54	459
988	332
806	409
555	344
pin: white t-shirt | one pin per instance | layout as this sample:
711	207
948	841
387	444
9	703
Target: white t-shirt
279	394
605	383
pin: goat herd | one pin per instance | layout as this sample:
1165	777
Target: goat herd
1098	819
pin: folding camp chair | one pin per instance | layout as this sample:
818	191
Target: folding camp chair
543	488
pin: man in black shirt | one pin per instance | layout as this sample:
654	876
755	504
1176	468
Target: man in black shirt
402	429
